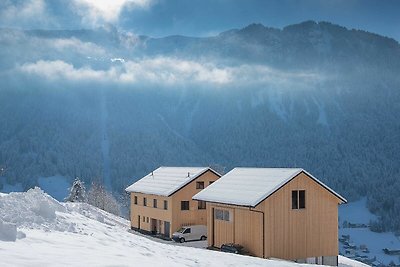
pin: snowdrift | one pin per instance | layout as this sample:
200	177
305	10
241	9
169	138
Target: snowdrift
37	230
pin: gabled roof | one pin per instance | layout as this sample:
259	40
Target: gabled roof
165	181
250	186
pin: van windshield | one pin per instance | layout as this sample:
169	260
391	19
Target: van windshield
181	230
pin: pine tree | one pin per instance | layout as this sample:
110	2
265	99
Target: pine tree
77	192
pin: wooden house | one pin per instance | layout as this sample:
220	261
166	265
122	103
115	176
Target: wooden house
161	202
274	213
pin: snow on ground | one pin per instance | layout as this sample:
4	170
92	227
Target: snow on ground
357	212
56	186
50	233
346	262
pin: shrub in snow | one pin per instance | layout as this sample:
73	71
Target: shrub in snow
8	231
99	197
77	192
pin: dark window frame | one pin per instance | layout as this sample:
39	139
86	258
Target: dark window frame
302	199
165	204
298	199
222	215
144	201
295	199
185	205
200	185
135	200
201	205
154	203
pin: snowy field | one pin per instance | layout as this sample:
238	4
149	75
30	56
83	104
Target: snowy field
37	230
357	212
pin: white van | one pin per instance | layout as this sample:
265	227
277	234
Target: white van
192	232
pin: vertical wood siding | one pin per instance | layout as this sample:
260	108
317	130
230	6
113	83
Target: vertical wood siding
174	215
193	216
287	234
303	233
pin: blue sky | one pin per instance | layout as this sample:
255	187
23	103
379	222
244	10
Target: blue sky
199	17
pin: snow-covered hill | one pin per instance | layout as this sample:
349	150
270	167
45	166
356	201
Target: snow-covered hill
37	230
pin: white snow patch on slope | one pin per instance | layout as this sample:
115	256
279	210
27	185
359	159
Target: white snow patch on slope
322	118
276	105
346	262
82	235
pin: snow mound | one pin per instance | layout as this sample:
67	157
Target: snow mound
33	209
8	231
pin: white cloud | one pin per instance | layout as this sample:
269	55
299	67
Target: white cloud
166	71
22	12
54	70
100	11
73	44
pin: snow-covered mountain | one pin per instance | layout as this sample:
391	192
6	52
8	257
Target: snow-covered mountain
37	230
109	105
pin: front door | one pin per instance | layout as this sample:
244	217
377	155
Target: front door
223	231
166	228
153	226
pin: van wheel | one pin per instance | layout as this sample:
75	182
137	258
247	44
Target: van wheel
182	240
203	237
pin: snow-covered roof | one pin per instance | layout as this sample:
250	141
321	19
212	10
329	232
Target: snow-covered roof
165	181
250	186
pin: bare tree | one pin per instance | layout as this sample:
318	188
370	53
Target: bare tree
99	197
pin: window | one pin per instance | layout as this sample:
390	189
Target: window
144	201
184	205
154	203
219	214
135	200
302	199
144	219
187	231
226	215
147	219
222	215
199	185
165	204
295	197
298	199
201	205
211	182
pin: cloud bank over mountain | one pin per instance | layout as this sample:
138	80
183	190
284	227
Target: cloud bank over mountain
166	71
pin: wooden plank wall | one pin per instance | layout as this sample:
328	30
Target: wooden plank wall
148	211
193	216
244	228
299	234
249	230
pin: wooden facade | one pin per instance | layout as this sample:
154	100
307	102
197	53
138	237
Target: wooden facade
167	219
273	229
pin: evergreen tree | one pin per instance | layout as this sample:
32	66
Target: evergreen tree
77	192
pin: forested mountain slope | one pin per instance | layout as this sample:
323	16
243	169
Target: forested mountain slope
96	103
